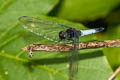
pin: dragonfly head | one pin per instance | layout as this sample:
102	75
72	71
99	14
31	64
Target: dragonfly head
62	35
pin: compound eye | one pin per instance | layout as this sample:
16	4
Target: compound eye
62	35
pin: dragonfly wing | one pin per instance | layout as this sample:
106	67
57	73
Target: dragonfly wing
74	58
41	27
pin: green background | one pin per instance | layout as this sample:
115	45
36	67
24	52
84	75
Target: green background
94	64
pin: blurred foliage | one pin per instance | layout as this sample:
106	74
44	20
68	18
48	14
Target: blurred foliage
94	64
84	10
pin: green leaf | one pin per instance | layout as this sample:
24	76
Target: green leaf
50	64
15	63
85	10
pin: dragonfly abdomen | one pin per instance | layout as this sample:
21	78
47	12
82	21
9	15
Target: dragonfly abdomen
90	31
71	33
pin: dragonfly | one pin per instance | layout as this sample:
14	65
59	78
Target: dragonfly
56	32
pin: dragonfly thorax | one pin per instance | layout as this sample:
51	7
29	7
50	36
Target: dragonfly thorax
69	34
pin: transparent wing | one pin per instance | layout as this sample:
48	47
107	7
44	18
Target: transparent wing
74	57
41	27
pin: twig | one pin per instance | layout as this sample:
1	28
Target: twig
67	47
114	74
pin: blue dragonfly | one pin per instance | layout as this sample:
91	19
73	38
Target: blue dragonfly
56	32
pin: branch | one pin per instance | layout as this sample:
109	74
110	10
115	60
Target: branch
111	77
67	47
